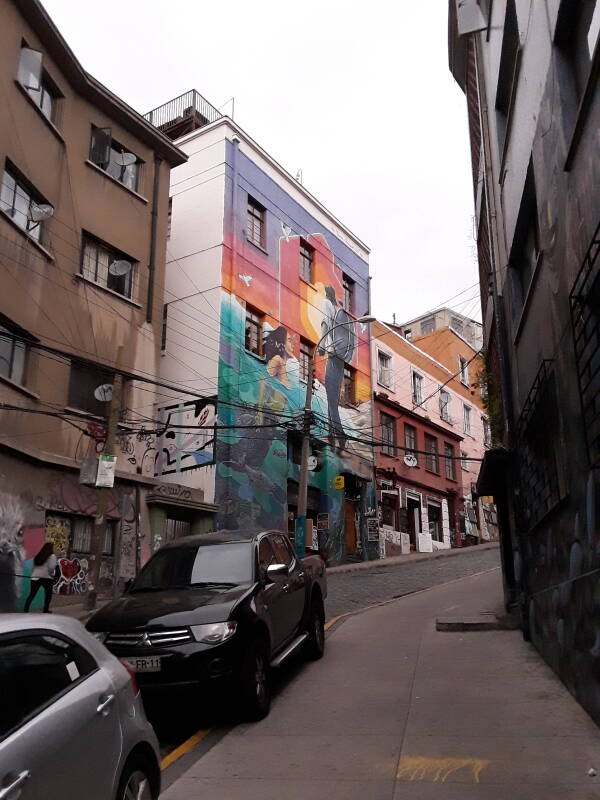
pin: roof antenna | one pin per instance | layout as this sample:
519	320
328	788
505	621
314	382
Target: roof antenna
394	318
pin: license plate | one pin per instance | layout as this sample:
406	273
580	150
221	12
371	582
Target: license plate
144	664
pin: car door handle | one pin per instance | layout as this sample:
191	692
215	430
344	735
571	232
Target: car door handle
105	704
301	575
7	791
286	587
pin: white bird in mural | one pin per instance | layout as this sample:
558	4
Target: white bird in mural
246	279
287	231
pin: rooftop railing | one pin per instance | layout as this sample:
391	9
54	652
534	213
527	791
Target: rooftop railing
185	113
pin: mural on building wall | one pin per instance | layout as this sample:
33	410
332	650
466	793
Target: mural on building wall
180	449
253	468
27	521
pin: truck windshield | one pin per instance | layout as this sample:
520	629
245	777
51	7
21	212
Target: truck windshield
185	567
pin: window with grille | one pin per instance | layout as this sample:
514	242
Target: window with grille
449	457
457	325
467	420
255	222
254	331
348	293
445	405
410	440
464	461
306	350
97	266
538	449
82	533
18	199
13	355
384	369
427	326
306	261
585	317
348	387
417	388
431	453
388	434
463	370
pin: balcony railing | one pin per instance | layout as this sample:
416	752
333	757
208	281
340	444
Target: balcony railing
184	114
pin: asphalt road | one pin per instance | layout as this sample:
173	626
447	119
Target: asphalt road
351	591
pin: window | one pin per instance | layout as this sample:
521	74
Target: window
306	351
36	669
306	261
19	201
348	386
389	510
408	334
13	355
449	456
525	250
445	405
294	447
464	461
37	85
417	388
169	217
83	382
254	331
113	158
348	293
266	557
577	28
457	325
97	266
507	74
463	370
467	420
255	222
163	332
410	440
384	369
82	532
282	549
487	433
427	326
388	435
431	453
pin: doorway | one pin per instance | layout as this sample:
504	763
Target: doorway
413	507
349	527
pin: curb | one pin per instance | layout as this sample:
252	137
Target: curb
396	561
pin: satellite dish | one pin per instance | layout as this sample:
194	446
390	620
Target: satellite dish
312	463
124	159
410	460
103	393
119	267
38	213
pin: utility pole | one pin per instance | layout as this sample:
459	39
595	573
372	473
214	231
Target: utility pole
300	527
100	524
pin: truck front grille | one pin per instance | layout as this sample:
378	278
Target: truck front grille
149	638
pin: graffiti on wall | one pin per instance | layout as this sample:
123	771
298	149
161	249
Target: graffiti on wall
187	441
265	373
11	551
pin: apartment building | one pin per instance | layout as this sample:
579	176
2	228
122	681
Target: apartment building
469	329
83	216
258	274
426	411
530	72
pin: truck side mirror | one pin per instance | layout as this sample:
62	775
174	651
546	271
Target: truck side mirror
276	572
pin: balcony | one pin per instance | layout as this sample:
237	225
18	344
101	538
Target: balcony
186	113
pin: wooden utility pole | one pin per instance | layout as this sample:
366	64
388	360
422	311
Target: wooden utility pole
100	525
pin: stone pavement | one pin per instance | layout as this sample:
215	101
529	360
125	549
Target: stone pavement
399	711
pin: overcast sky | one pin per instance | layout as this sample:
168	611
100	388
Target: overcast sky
357	95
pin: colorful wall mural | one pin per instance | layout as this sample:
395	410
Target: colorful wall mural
256	476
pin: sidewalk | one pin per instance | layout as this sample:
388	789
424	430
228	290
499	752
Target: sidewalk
397	710
411	558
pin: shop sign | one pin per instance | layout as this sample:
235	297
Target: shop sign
338	482
373	530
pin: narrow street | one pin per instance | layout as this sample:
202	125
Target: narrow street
398	710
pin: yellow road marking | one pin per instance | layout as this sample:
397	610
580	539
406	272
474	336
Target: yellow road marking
331	621
183	748
420	768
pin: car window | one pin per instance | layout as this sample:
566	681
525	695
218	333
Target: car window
266	555
283	554
185	566
34	670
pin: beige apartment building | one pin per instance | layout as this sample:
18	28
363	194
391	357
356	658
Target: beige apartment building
83	226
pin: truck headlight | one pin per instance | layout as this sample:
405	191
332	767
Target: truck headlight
213	632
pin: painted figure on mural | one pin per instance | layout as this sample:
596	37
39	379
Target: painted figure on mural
11	552
339	344
279	347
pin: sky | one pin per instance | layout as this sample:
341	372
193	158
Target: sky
356	95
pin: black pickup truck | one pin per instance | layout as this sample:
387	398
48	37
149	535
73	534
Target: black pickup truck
218	608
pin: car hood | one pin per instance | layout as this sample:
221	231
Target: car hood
169	607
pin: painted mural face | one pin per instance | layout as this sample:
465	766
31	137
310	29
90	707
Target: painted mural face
254	470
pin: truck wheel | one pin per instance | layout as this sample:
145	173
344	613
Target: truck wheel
255	689
316	631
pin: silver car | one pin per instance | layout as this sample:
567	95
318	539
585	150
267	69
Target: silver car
71	718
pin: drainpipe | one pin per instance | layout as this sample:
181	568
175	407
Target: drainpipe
152	257
363	521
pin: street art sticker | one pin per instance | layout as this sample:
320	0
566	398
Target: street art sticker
187	441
